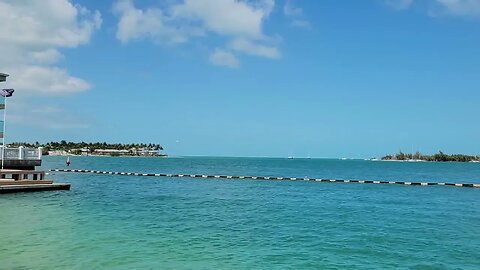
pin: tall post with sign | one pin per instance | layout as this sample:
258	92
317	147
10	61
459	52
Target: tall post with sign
4	93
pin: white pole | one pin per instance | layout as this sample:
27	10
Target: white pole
4	124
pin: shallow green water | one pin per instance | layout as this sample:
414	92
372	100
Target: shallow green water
119	222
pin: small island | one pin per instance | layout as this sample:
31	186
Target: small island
439	157
64	148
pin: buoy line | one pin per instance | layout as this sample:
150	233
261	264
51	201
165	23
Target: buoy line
272	178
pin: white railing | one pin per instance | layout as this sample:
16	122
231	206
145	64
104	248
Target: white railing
21	153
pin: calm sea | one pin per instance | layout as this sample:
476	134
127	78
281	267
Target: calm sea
126	222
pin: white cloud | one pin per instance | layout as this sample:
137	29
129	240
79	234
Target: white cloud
47	80
46	23
221	57
31	34
135	23
463	8
252	48
177	22
459	8
291	11
48	56
225	17
295	14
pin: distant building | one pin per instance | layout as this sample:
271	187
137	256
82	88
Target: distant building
123	152
145	152
111	152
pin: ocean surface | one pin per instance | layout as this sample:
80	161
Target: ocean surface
129	222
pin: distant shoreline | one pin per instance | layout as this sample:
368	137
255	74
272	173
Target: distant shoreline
93	155
280	158
429	161
438	157
64	148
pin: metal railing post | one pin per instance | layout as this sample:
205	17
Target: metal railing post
21	154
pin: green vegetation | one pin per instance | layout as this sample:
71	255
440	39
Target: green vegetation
97	148
440	156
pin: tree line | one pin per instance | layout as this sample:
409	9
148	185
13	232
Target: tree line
72	146
440	156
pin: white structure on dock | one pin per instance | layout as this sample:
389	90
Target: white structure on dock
21	158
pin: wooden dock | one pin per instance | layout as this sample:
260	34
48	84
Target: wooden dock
12	181
33	187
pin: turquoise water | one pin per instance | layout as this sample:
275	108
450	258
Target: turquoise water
126	222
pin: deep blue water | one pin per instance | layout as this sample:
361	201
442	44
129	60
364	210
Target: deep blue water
128	222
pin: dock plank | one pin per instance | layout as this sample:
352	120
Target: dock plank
33	187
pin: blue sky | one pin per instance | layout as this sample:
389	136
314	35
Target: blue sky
247	78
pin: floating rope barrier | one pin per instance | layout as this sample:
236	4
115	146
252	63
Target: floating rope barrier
272	178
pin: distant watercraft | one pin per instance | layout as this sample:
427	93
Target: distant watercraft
290	157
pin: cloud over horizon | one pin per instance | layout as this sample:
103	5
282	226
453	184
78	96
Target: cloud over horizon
238	23
31	36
